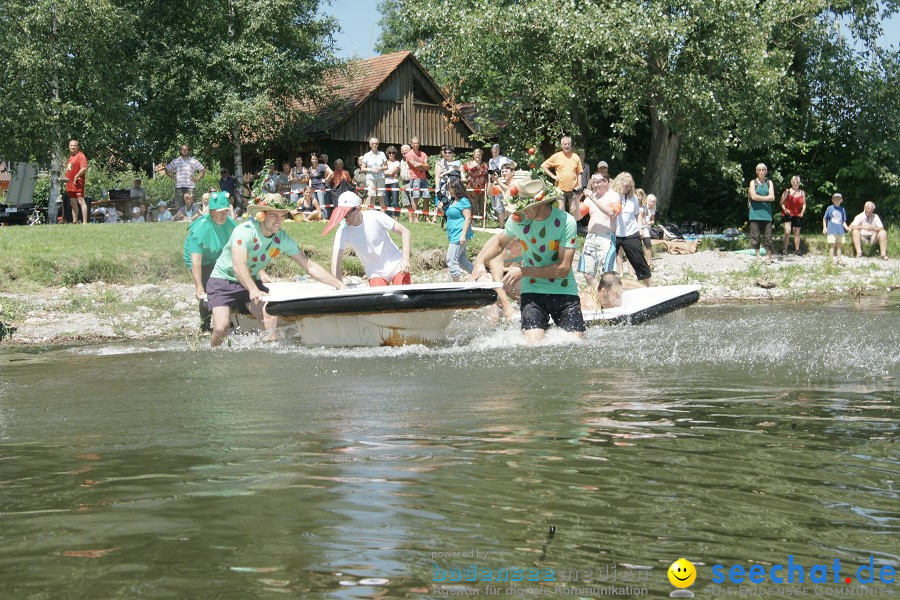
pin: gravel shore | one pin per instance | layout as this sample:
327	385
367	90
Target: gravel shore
99	311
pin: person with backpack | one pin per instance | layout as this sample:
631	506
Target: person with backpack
446	170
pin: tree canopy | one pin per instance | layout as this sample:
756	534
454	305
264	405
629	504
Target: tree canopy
134	78
668	89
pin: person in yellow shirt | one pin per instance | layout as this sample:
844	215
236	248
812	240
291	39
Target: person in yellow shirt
566	172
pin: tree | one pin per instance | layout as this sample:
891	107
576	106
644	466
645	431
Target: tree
134	78
245	78
703	79
64	75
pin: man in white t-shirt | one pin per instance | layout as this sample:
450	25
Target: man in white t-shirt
368	233
374	165
867	227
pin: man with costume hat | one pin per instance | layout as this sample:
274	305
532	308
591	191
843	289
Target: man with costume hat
251	248
367	232
205	239
547	236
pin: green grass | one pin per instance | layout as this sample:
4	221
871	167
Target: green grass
35	258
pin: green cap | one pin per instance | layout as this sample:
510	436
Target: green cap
218	201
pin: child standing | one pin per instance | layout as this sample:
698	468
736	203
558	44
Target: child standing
834	224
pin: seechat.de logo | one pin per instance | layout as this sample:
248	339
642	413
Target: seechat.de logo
796	573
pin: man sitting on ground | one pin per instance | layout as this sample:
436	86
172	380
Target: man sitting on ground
867	227
367	233
252	247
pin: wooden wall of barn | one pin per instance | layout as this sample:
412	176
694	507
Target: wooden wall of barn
395	122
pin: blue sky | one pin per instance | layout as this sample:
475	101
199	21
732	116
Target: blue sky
359	22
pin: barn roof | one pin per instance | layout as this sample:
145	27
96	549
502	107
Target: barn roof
353	86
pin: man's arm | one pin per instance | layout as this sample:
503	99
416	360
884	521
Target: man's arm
242	272
545	167
494	247
771	196
406	241
317	271
752	191
81	171
197	274
200	172
337	260
602	206
560	269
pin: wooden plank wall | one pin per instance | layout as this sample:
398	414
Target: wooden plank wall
395	122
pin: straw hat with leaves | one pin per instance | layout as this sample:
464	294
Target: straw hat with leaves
529	194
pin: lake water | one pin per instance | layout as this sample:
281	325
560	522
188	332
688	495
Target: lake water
724	435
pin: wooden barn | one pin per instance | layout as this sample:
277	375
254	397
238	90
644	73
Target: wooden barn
390	97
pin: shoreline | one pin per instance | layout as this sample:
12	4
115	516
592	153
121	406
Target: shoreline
101	313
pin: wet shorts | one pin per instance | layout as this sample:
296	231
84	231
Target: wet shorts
221	292
565	309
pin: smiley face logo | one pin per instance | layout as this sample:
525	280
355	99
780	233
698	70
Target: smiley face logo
682	573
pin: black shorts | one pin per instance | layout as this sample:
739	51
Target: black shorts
565	309
796	222
221	292
634	252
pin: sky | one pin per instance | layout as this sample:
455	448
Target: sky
359	22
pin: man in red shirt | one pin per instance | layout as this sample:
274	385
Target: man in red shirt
76	167
418	175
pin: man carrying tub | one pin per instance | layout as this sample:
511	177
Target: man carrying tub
547	236
252	247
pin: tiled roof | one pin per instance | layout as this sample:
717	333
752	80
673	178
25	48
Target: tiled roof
352	87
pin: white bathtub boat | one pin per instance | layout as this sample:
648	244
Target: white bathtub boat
319	315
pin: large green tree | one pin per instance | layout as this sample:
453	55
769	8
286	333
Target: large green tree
701	79
134	78
220	72
64	74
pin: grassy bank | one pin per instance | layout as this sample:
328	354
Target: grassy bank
35	258
77	283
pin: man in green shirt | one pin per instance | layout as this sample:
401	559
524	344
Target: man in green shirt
252	247
205	239
547	236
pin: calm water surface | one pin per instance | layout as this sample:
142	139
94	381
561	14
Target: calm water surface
724	435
